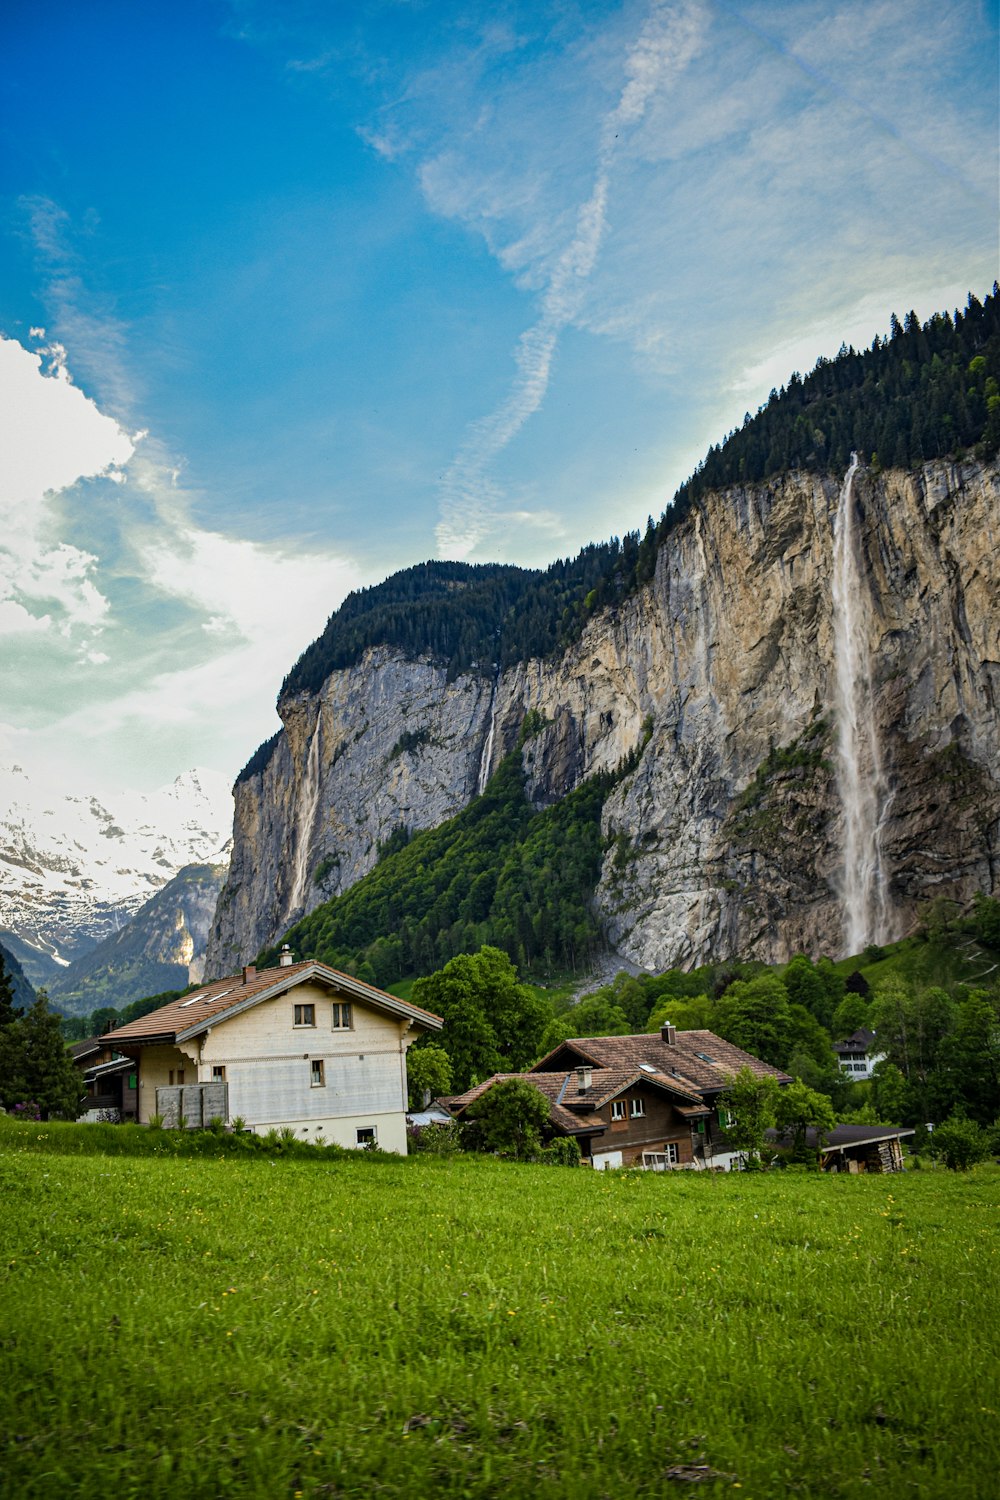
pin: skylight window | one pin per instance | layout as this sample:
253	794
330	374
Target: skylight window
705	1058
648	1068
208	999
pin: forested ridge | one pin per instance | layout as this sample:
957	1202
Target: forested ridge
925	391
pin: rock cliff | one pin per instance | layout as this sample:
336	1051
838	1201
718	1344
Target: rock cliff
727	837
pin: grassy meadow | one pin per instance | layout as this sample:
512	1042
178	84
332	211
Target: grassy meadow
458	1327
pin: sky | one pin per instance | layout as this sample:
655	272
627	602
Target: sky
293	295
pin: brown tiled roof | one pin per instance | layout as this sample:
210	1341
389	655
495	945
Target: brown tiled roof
552	1085
697	1061
215	1001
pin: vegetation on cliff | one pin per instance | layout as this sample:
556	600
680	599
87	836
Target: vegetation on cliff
499	873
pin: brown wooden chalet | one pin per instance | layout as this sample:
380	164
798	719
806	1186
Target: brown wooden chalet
648	1100
109	1079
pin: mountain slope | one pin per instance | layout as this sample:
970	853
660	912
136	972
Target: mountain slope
162	947
74	868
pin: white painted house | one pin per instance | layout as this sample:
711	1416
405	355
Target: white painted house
858	1053
299	1046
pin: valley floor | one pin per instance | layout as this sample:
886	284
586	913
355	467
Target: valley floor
462	1327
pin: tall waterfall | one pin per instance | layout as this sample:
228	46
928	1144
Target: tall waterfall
860	777
306	815
487	755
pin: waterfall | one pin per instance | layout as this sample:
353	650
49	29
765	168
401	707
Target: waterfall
860	777
306	816
487	755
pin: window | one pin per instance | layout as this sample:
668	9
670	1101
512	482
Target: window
305	1015
726	1117
367	1135
638	1108
672	1153
341	1016
317	1077
618	1109
218	1073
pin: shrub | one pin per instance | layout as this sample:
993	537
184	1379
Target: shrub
961	1143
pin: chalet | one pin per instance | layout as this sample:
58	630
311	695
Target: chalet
299	1046
648	1101
108	1077
858	1053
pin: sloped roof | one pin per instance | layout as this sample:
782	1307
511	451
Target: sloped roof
224	998
858	1041
552	1085
697	1061
574	1108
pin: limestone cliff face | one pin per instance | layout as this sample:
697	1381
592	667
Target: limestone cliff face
727	837
387	744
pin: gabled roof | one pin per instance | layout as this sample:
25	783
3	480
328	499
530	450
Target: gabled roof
552	1085
858	1041
698	1062
224	998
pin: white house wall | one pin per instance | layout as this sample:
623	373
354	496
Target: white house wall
268	1067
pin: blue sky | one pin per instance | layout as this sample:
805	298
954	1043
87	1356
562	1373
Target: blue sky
293	295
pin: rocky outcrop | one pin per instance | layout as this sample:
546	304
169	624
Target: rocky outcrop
726	836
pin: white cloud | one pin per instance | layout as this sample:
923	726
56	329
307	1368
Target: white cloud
54	437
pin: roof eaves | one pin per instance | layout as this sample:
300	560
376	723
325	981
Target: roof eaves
354	987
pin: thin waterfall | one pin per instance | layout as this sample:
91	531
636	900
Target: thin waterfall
308	802
860	777
487	755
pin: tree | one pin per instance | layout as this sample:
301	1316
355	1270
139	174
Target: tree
594	1015
492	1023
961	1143
694	1014
806	987
750	1102
798	1109
8	1011
893	1098
428	1073
755	1015
510	1118
35	1066
851	1014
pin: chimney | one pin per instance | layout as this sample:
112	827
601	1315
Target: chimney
584	1077
668	1033
285	960
249	972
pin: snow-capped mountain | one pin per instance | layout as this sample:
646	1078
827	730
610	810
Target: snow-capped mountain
75	867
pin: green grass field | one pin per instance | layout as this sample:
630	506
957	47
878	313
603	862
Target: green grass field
425	1328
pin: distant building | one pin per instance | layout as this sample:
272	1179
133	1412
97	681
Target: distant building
858	1053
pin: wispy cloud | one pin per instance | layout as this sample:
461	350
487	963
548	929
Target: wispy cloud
469	496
